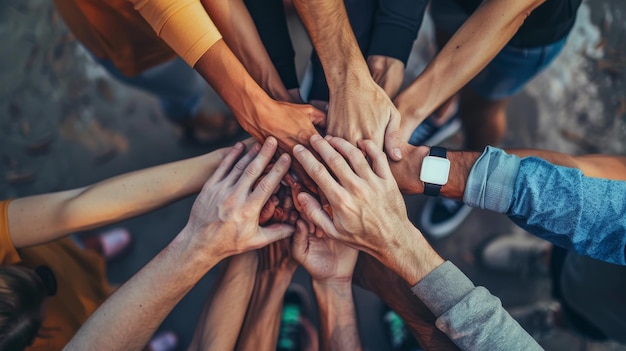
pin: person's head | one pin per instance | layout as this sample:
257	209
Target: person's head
23	292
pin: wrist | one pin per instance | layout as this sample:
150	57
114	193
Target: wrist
195	252
412	258
411	106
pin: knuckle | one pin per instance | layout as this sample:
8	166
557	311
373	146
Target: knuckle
252	171
318	170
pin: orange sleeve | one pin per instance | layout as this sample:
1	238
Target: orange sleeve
183	24
8	253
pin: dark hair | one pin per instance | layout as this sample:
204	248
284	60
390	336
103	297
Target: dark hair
22	296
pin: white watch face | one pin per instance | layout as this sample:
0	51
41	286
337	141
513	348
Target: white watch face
435	170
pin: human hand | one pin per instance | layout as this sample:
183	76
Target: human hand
368	209
224	218
327	260
388	72
361	110
290	124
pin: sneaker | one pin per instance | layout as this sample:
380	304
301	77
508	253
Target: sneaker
522	254
537	319
398	334
430	132
440	217
294	310
163	341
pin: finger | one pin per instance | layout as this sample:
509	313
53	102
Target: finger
335	161
272	233
264	189
244	162
293	217
300	242
227	163
353	154
318	114
314	212
255	168
268	210
316	170
278	215
380	165
393	140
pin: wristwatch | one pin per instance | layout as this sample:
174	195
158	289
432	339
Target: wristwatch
435	170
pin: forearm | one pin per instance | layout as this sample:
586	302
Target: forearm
234	22
337	316
38	219
329	29
467	52
265	309
407	171
225	308
231	81
127	319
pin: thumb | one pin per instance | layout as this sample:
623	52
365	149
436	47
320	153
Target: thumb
300	241
393	141
314	212
273	233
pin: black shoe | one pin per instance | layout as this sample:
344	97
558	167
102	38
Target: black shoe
430	133
399	336
440	217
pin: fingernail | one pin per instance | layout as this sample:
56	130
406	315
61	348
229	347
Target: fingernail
256	147
238	146
397	153
316	137
328	137
270	141
298	148
284	157
303	199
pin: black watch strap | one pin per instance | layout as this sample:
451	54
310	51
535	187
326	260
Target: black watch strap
429	188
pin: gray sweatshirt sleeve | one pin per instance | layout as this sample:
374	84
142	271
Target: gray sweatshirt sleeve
470	316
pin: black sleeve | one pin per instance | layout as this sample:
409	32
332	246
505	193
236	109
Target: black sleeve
395	27
270	21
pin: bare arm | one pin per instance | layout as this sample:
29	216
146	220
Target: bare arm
41	218
223	222
234	22
358	107
224	311
330	264
469	50
276	268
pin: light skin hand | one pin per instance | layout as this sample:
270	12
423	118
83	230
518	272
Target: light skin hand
368	210
388	72
225	216
357	197
362	110
327	260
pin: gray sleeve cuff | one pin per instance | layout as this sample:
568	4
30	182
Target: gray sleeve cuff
443	288
491	181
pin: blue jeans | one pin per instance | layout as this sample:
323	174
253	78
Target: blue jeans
510	70
177	86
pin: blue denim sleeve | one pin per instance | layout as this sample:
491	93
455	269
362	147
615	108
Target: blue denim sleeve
559	204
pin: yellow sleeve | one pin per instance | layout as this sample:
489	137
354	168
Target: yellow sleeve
8	253
183	24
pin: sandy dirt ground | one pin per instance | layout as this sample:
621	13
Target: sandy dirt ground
65	123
